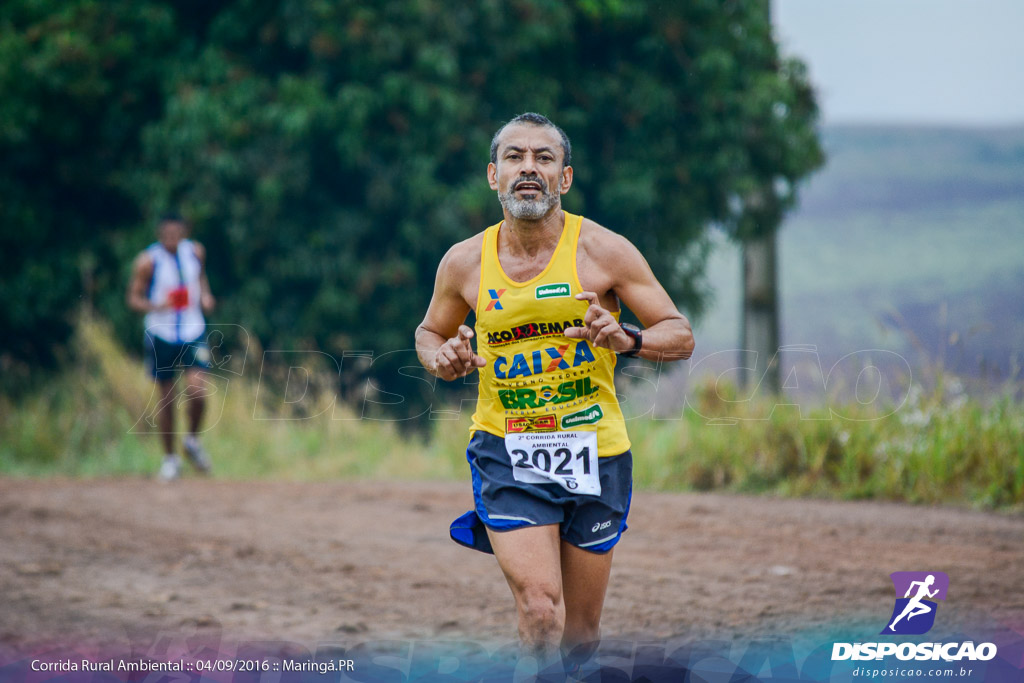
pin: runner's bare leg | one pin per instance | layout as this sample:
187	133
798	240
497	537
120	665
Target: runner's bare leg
196	393
165	414
531	561
584	583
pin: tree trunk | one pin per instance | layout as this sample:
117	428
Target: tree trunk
760	327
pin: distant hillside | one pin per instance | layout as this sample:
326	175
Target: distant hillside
910	240
880	169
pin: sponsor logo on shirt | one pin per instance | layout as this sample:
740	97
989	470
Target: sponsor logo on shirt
543	423
531	331
552	291
587	416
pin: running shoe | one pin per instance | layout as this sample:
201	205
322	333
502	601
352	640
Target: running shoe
170	469
197	455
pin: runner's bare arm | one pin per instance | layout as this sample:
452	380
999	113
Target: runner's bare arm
206	299
442	340
615	265
142	273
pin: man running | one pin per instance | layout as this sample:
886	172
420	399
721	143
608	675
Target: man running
169	285
549	454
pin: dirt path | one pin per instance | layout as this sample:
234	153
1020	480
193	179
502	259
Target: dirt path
93	560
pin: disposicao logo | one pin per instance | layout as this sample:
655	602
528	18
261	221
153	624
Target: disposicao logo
552	291
914	613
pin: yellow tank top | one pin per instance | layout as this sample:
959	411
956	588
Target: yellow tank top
537	379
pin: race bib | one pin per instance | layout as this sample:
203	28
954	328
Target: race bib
178	298
568	459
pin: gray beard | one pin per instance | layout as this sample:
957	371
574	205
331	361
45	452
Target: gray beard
529	209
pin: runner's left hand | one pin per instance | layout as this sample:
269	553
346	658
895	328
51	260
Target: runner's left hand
599	327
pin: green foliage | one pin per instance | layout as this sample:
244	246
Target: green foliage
88	421
937	447
329	153
79	80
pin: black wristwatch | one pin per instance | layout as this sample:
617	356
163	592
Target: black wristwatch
638	339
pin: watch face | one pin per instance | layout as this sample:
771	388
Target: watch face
634	332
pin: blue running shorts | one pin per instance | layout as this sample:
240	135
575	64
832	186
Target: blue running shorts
593	523
164	359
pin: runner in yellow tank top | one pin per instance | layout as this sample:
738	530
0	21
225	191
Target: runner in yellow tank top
549	452
536	380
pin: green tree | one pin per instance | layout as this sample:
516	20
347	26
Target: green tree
329	153
79	81
768	193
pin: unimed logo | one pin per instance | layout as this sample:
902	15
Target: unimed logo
551	291
914	614
587	416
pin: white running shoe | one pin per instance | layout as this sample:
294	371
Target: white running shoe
170	469
196	454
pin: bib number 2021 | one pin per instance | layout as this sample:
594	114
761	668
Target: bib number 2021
565	458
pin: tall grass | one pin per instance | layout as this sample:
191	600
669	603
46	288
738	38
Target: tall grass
939	447
92	421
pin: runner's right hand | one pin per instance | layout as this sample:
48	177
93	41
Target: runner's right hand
162	307
455	358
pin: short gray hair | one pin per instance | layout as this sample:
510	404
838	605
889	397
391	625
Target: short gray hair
534	120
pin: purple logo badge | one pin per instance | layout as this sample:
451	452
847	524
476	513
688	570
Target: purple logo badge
916	593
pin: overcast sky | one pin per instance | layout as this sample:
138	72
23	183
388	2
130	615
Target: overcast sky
899	61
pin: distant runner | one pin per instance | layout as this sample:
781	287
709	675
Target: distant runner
169	285
549	454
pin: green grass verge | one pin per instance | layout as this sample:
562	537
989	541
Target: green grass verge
943	447
89	422
939	448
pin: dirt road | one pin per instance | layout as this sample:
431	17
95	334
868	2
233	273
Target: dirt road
84	561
